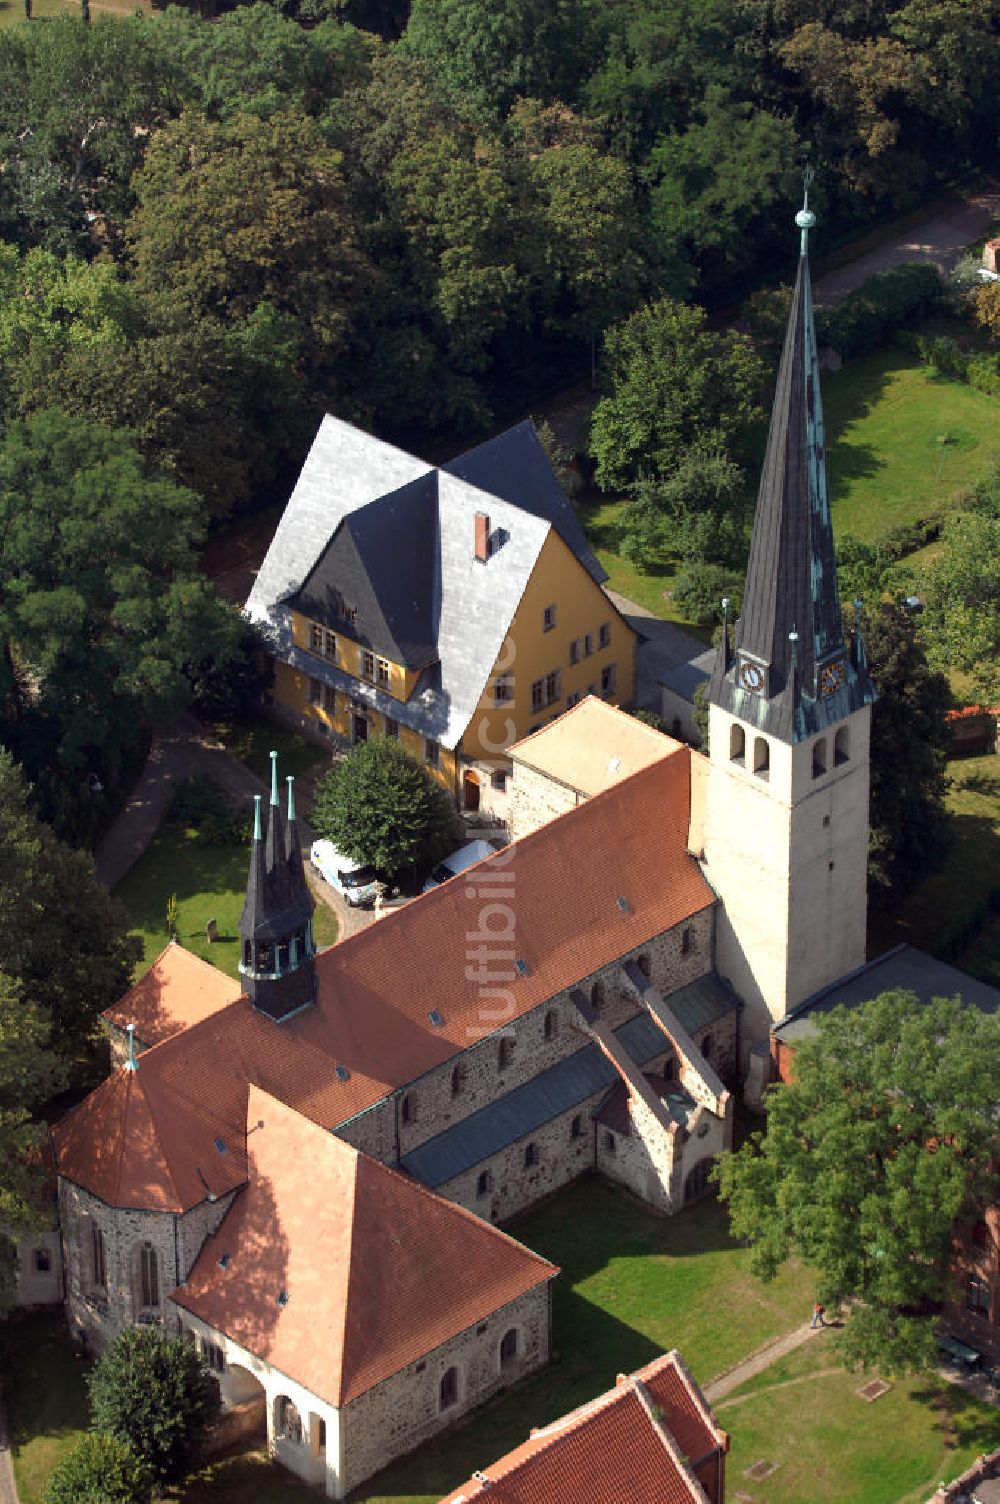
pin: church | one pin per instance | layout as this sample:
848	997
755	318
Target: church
307	1173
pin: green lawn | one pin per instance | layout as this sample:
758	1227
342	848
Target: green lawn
210	883
969	870
902	442
833	1447
651	589
252	740
45	1396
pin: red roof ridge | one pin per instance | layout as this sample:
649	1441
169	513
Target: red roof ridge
680	1368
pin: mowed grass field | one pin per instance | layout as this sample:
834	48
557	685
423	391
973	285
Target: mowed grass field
833	1447
902	442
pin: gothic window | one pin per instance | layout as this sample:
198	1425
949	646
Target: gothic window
484	1184
551	1026
508	1347
761	756
576	1131
503	1054
149	1278
409	1108
448	1391
456	1081
98	1259
531	1156
597	996
819	757
841	746
737	744
687	940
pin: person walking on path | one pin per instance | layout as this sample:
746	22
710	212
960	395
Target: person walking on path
818	1316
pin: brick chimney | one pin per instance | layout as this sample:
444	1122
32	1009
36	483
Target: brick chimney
481	548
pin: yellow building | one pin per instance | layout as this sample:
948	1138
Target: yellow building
456	609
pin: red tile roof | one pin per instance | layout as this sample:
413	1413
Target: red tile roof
178	990
376	1270
560	885
640	1442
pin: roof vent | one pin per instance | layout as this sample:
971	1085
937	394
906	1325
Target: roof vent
282	1298
220	1145
521	967
436	1018
614	764
343	1074
622	904
224	1260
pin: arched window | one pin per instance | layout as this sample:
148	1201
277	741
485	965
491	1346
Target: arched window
687	940
508	1347
551	1027
503	1054
408	1109
456	1081
737	744
707	1046
149	1278
696	1183
610	1147
98	1259
597	996
484	1184
287	1420
819	757
645	966
761	756
576	1130
448	1390
841	746
531	1156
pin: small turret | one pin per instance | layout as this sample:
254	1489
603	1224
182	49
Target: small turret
277	964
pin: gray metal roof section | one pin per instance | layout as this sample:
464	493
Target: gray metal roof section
683	679
515	467
791	582
527	1107
904	967
471	604
702	1003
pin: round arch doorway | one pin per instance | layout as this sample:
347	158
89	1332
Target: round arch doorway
470	790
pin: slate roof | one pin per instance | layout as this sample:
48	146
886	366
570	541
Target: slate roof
402	532
903	967
375	1271
683	679
371	1015
650	1440
178	990
791	580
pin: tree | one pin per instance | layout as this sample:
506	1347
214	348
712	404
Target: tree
62	936
30	1072
880	1144
674	383
909	751
380	806
101	606
100	1470
961	624
153	1393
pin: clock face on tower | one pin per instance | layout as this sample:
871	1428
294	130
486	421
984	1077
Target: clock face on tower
831	677
752	677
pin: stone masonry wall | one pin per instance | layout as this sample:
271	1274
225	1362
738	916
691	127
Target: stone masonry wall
404	1411
535	799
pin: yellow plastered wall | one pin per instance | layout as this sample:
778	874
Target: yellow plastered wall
350	658
336	714
531	652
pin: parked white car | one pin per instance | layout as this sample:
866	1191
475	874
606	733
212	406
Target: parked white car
357	884
472	851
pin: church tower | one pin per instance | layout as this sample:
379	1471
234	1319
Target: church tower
786	839
278	962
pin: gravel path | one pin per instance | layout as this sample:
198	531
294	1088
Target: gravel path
758	1361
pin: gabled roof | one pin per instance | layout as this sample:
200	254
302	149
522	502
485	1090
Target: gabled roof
514	466
404	535
640	1441
178	990
376	989
592	747
340	1271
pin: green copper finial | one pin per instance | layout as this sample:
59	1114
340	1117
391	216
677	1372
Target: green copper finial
289	779
805	219
258	833
274	777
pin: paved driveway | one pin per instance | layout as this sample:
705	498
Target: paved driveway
665	646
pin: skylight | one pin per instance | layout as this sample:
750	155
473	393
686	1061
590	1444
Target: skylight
436	1018
220	1145
282	1297
521	967
623	905
343	1074
224	1259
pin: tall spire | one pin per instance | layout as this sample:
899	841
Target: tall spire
791	686
276	923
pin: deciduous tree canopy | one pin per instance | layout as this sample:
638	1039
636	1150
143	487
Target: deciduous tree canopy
380	806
